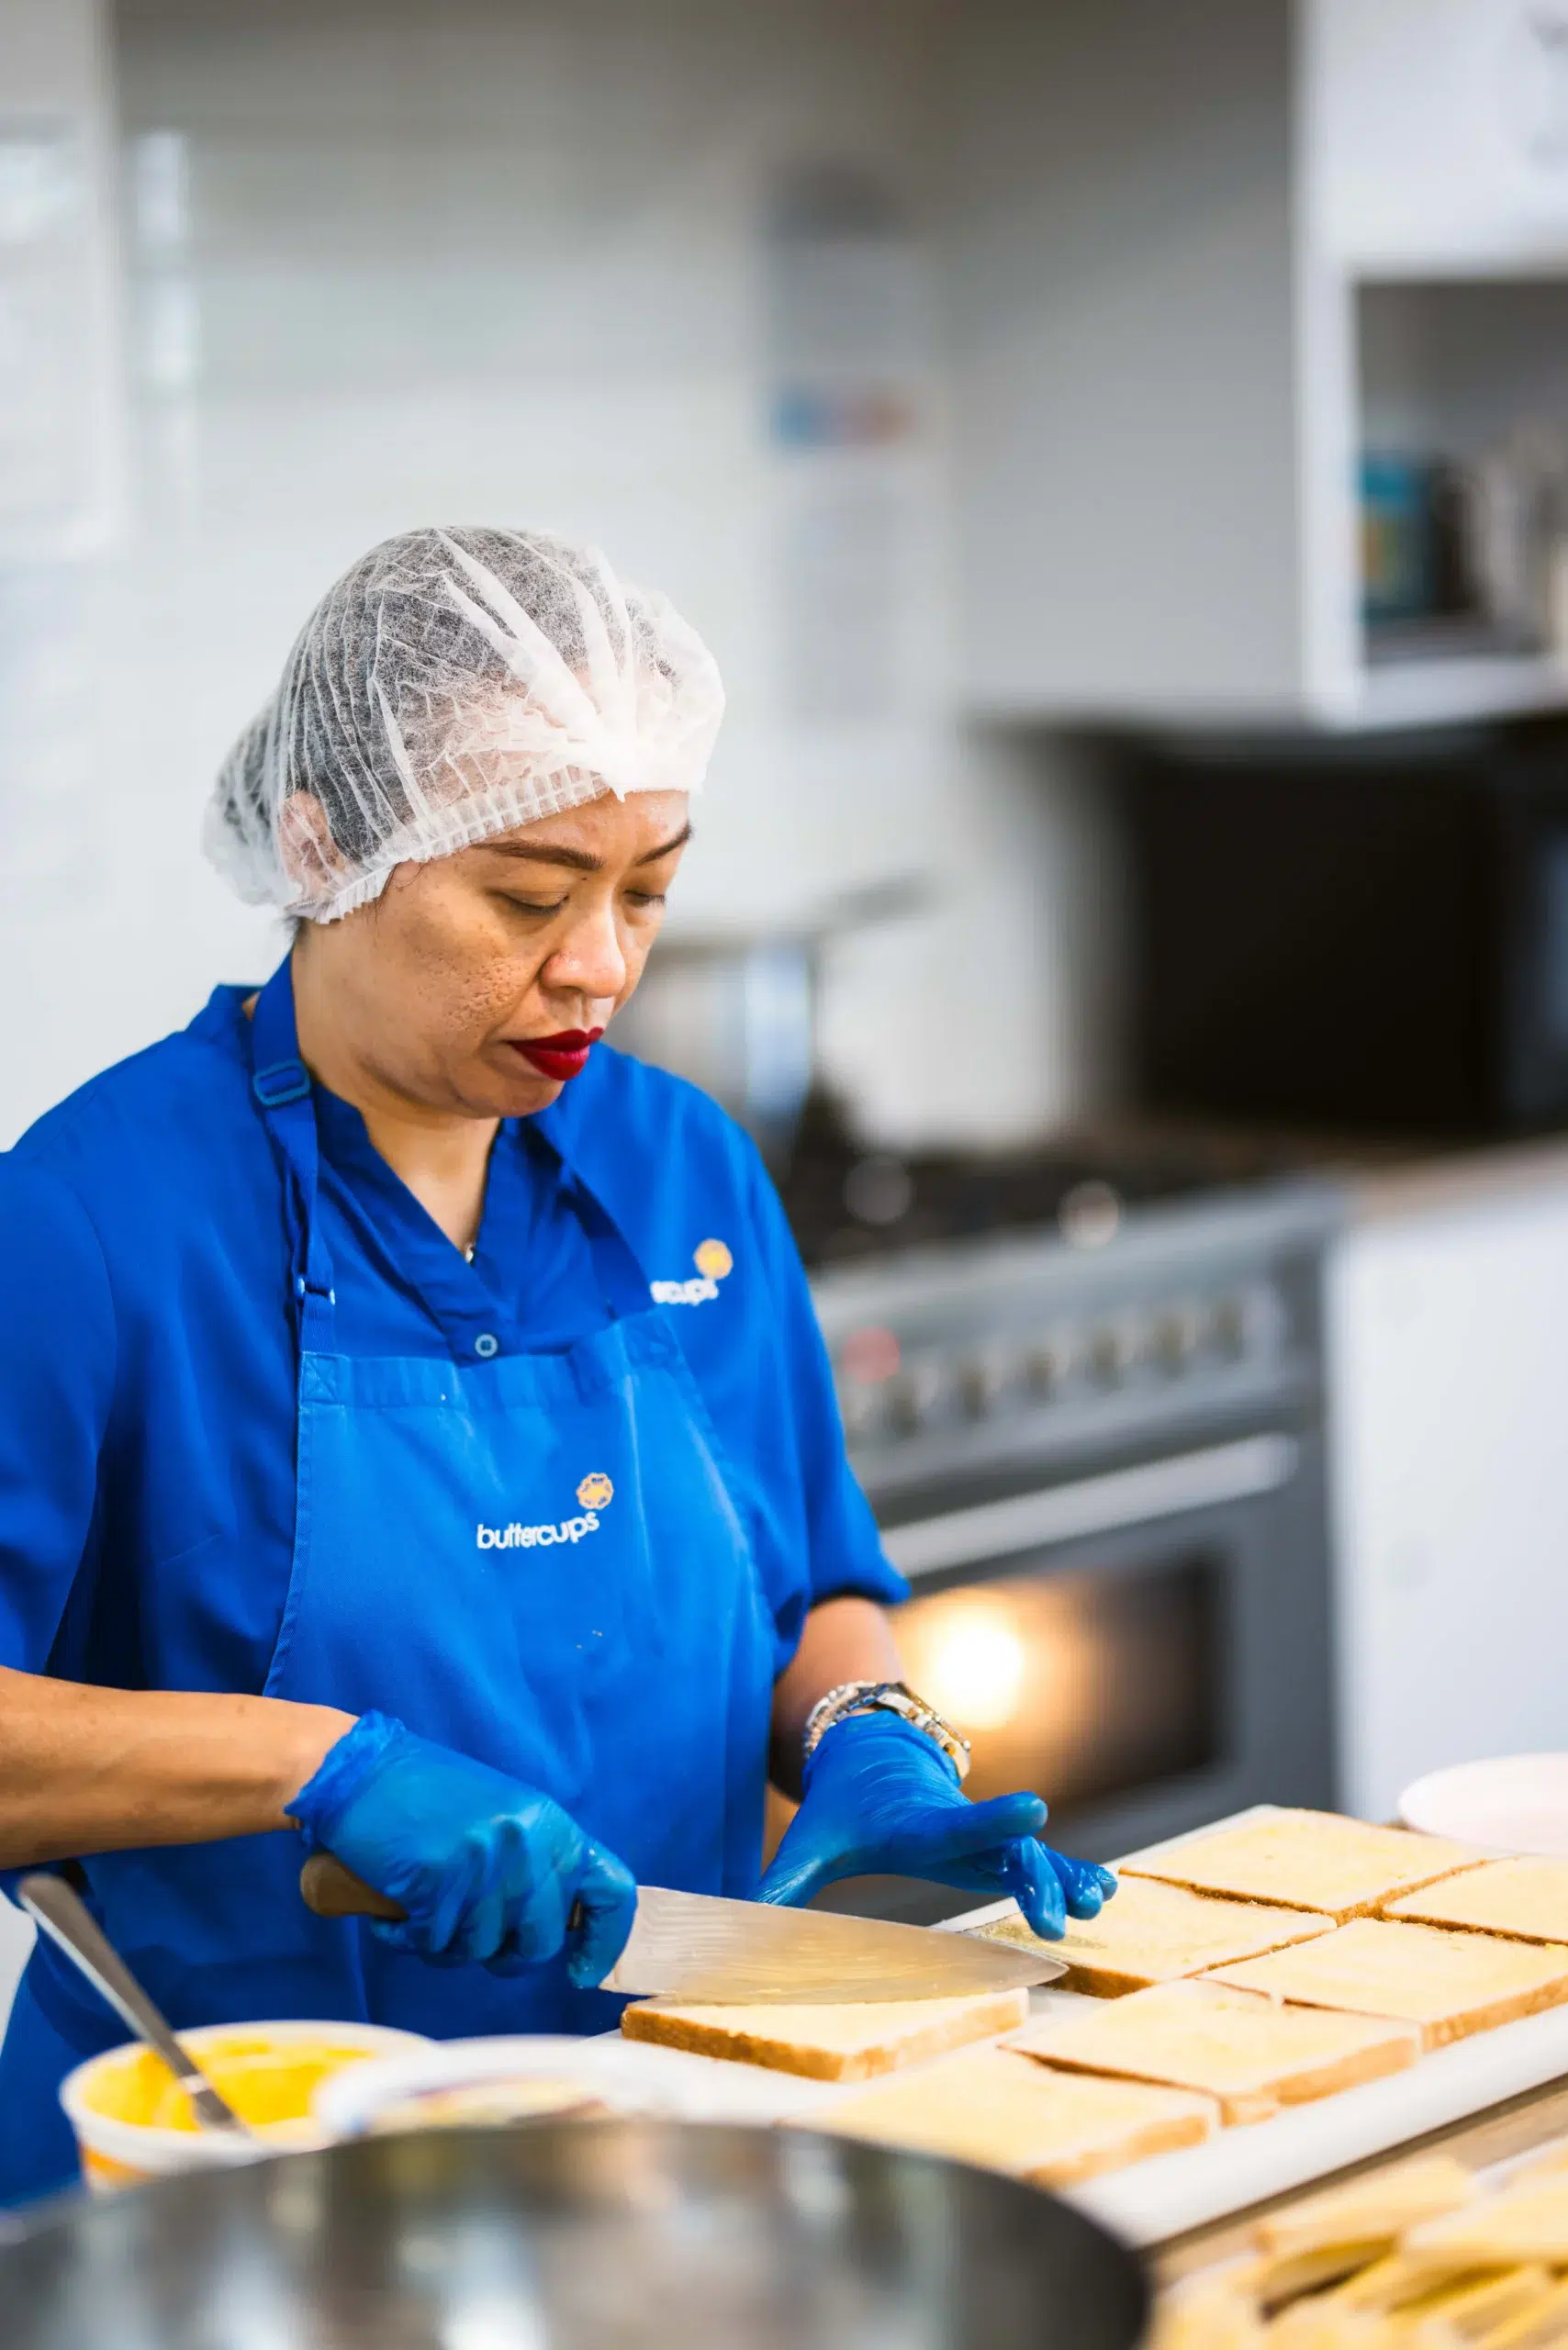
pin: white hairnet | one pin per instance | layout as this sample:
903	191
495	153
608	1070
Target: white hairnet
453	684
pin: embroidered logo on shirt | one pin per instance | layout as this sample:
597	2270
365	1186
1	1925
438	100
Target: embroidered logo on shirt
712	1261
595	1492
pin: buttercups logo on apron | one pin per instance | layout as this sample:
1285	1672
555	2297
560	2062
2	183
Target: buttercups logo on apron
713	1261
595	1492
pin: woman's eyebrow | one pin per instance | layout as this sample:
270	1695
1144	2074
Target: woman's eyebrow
579	859
669	847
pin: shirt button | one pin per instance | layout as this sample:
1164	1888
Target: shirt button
487	1344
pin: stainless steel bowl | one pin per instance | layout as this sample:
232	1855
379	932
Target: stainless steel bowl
562	2235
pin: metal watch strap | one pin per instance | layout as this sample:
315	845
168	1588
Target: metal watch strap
883	1697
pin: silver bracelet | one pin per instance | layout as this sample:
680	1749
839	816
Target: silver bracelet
883	1697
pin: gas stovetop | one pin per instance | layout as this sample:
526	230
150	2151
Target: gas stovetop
848	1205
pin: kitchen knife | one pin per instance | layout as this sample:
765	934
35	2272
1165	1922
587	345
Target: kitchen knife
698	1948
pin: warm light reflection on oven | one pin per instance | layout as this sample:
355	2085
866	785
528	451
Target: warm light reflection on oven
983	1660
1078	1687
970	1663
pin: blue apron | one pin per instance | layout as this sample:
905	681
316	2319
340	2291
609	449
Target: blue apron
532	1558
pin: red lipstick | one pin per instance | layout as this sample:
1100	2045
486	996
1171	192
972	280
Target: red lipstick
561	1056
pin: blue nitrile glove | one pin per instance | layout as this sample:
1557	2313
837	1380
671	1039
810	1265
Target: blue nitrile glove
881	1799
487	1868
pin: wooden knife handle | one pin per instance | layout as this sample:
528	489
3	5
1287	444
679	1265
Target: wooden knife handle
333	1891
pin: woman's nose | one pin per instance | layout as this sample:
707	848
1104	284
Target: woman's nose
590	959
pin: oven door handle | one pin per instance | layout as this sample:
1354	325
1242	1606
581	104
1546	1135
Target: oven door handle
1222	1472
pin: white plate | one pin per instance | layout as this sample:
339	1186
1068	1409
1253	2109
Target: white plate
1517	1802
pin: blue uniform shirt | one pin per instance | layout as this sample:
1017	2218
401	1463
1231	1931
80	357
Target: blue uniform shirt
148	1351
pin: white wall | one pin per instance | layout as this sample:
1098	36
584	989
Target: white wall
1007	1010
385	264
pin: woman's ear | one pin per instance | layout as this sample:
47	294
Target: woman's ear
311	857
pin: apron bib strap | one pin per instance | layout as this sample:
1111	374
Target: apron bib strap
281	1084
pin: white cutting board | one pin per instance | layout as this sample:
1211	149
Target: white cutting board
1151	2201
1148	2202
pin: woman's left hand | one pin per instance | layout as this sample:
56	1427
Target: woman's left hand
881	1798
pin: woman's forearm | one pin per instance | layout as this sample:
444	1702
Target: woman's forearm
843	1639
89	1769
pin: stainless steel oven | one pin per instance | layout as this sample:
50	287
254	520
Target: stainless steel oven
1101	1470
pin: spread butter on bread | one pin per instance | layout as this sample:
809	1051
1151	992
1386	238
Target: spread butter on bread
1152	1932
851	2040
1527	1899
1304	1859
987	2106
1253	2056
1451	1984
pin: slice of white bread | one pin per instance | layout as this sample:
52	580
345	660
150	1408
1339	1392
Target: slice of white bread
1450	1984
984	2106
1207	2313
1152	1932
1272	2283
852	2041
1521	2224
1372	2211
1488	2310
1253	2056
1307	2326
1305	1860
1525	1899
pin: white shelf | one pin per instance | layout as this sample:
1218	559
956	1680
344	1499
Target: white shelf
1444	691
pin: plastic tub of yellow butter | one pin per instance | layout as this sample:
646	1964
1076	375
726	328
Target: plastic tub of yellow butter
134	2122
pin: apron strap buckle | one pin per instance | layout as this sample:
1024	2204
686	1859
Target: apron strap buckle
283	1082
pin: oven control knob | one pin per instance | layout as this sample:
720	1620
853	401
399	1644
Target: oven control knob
862	1407
1174	1337
1112	1353
1229	1331
1049	1364
982	1383
913	1396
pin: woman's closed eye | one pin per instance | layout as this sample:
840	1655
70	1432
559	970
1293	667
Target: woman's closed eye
530	905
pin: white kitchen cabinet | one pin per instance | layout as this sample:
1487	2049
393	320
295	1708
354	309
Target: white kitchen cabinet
1447	1384
1440	129
1177	239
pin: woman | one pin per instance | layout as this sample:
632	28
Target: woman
354	1492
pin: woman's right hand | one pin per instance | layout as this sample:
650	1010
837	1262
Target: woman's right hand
487	1869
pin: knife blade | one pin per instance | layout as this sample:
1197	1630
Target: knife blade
705	1949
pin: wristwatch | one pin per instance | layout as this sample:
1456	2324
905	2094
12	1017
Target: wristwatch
883	1697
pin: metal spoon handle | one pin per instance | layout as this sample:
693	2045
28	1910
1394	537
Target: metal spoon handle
68	1921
